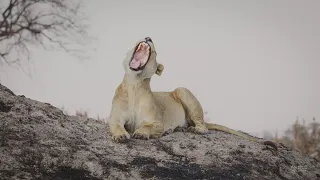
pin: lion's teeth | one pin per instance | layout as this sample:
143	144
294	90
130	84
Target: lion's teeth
139	47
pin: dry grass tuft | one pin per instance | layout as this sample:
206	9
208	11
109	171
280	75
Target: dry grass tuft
303	137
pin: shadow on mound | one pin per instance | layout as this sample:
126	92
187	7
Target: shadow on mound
68	173
179	170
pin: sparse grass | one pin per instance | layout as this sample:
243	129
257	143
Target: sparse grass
303	137
81	113
64	110
101	119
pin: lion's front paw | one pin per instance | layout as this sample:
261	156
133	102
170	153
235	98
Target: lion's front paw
142	133
198	129
121	137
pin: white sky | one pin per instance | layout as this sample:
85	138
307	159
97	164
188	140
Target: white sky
254	65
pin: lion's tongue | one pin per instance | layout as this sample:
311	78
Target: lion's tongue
140	57
135	63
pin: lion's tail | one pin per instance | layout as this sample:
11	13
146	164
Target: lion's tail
217	127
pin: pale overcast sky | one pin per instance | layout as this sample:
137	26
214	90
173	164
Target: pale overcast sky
254	65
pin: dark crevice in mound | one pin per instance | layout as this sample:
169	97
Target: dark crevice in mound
6	174
4	107
107	164
68	173
150	168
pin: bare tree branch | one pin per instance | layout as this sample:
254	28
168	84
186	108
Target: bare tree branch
49	23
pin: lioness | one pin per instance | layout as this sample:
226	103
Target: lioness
146	114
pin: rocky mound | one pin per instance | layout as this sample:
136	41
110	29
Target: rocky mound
38	141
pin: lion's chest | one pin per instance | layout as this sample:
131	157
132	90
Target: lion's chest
139	108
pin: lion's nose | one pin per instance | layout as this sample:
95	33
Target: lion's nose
148	39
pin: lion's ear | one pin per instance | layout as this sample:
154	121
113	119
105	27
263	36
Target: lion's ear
160	68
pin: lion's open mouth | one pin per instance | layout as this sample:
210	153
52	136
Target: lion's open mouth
140	56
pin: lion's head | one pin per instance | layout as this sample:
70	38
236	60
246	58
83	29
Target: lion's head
141	60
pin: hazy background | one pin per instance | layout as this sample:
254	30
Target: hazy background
254	65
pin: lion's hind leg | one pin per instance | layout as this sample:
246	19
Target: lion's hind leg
193	109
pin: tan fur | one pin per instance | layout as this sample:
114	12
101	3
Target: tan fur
146	114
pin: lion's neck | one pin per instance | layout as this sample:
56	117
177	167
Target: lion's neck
137	87
137	91
137	83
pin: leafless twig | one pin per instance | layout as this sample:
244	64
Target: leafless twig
54	24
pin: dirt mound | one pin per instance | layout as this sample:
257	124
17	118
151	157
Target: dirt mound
38	141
